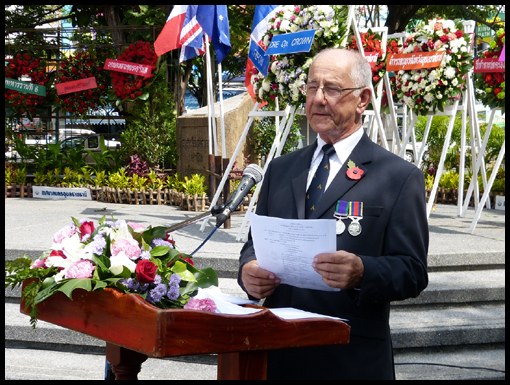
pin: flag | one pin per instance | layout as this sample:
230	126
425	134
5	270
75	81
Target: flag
214	21
170	36
192	36
263	13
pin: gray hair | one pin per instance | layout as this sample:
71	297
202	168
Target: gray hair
361	73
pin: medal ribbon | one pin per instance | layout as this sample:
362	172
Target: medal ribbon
355	209
342	209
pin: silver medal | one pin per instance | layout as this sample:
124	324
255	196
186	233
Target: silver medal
354	227
340	226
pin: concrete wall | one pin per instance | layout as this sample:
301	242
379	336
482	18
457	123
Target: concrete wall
193	137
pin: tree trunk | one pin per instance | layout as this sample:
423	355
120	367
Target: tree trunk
399	16
113	19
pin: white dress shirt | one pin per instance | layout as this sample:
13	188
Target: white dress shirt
343	149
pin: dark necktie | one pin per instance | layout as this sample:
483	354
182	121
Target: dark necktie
318	185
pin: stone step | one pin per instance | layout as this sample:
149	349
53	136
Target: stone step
444	287
410	328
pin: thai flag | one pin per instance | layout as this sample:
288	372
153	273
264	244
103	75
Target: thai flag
263	13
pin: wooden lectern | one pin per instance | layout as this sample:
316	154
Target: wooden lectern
134	329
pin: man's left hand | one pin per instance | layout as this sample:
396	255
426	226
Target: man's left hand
341	269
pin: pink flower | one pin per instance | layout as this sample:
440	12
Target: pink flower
64	233
80	269
205	304
136	226
129	247
39	263
438	27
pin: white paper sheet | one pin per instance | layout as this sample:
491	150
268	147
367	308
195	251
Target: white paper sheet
229	304
286	247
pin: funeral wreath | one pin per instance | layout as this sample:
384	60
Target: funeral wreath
122	255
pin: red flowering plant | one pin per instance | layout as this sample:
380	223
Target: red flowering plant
490	87
81	65
131	87
123	255
372	42
25	64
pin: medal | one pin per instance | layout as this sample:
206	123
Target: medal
340	214
355	215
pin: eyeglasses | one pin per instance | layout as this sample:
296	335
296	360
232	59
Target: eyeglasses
328	91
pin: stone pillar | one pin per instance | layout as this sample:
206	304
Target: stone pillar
193	136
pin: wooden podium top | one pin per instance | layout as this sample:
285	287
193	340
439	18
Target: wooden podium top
128	321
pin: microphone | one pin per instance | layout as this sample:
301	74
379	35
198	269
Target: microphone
252	175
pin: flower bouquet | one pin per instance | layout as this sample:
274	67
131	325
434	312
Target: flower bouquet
122	255
289	72
490	87
431	88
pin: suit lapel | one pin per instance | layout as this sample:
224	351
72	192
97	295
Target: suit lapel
361	155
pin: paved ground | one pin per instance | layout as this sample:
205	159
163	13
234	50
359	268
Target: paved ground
31	223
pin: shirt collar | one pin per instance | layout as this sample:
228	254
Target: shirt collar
343	147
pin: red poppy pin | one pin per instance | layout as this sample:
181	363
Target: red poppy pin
354	172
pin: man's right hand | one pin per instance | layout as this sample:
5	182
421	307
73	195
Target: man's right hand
258	282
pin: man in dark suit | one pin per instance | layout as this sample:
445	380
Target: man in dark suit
383	259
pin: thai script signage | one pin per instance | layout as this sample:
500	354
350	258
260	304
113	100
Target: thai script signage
76	85
128	67
29	88
413	61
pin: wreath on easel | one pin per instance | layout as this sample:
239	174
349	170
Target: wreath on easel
490	87
81	65
129	87
21	65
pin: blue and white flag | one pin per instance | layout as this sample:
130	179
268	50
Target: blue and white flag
214	21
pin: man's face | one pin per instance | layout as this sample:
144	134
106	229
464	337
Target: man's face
333	118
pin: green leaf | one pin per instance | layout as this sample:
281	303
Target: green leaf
159	251
76	283
182	269
76	222
205	278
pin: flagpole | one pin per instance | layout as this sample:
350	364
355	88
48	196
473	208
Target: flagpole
222	117
210	93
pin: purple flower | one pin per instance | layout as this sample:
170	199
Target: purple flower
98	244
160	242
173	292
158	292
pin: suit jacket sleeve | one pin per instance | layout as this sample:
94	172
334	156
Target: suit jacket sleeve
400	271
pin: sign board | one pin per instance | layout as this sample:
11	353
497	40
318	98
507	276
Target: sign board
372	58
488	65
128	67
45	192
291	42
500	202
258	58
29	88
76	85
413	61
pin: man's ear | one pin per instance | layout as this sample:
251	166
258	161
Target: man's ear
364	100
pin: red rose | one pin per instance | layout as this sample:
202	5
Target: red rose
459	33
86	228
57	253
145	271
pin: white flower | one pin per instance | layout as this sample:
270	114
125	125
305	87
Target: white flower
294	28
455	82
449	72
429	98
117	263
266	85
285	26
439	95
